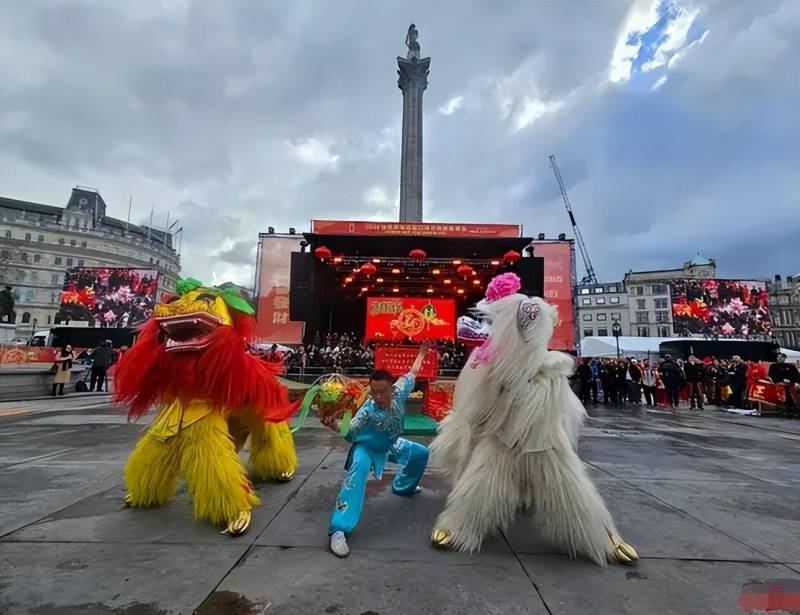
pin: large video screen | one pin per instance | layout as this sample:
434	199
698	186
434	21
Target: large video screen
724	308
108	297
394	319
274	267
558	267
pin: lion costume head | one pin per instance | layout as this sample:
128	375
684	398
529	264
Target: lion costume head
195	347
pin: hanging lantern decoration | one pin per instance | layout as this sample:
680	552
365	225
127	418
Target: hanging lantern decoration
465	270
368	269
322	253
512	256
418	254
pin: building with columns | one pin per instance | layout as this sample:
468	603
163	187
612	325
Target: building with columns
38	243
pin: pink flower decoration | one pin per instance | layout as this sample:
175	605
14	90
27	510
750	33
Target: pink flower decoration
727	329
502	286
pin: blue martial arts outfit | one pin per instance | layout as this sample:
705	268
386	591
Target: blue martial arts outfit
375	434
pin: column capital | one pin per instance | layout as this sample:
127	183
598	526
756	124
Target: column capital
413	73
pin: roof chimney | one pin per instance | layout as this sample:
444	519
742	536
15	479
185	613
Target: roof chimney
777	281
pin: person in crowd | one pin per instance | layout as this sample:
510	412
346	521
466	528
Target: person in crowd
781	371
649	383
695	376
597	372
633	379
584	375
102	358
622	382
713	382
63	369
672	377
737	379
608	381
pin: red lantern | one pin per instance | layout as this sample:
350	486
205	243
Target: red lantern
322	253
368	269
418	254
512	256
464	270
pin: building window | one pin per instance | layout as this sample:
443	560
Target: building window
49	319
20	274
615	316
34	276
588	332
598	290
83	244
612	289
659	289
70	262
8	234
601	317
61	241
661	304
602	332
41	238
37	258
641	304
614	300
57	260
73	243
54	278
587	318
642	317
29	296
586	301
24	257
643	331
601	300
584	291
26	318
27	236
80	262
663	332
52	297
638	290
662	316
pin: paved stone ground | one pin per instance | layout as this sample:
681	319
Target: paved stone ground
710	500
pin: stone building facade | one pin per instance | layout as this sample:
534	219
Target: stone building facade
599	306
784	307
650	311
38	243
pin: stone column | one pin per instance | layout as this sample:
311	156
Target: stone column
413	81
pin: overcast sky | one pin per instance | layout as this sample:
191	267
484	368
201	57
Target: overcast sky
675	122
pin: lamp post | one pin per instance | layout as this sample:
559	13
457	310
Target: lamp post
616	330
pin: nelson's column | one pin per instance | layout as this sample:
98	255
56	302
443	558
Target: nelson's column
413	80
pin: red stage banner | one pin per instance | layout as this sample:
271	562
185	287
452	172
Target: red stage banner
272	310
12	354
439	399
558	267
415	318
397	360
414	229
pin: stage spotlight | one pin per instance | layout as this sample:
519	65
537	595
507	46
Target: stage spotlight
529	250
348	279
447	281
495	263
271	230
429	291
395	271
395	290
364	289
562	236
292	231
379	280
541	237
303	245
460	291
457	262
337	259
435	272
376	260
476	282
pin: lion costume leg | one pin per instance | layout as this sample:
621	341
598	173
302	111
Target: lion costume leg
272	452
569	510
215	476
151	473
452	446
484	499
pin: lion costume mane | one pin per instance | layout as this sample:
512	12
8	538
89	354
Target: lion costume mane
191	363
509	444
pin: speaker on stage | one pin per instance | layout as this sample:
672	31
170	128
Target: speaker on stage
531	274
301	287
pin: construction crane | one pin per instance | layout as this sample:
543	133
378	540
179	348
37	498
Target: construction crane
590	277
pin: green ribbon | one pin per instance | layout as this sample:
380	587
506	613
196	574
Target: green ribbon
305	408
226	291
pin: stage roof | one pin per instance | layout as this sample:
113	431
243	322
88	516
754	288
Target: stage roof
435	247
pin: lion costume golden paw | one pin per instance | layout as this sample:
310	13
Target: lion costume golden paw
191	362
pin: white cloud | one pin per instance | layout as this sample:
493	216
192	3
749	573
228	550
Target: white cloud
641	17
674	41
451	105
661	81
531	109
676	57
312	151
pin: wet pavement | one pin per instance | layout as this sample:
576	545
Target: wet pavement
711	500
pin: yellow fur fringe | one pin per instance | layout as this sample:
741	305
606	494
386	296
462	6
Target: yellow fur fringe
272	451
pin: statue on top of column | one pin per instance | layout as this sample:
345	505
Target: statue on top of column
411	43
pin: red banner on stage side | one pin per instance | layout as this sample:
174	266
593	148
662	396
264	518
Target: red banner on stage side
416	318
558	268
397	360
414	229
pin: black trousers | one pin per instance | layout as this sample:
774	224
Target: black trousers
650	395
98	377
696	394
673	393
59	387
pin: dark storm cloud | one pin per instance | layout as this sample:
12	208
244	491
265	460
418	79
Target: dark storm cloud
238	116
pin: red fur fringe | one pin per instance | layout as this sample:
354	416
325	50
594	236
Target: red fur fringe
224	374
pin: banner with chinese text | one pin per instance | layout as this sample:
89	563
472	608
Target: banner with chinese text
272	312
558	267
415	318
397	360
414	229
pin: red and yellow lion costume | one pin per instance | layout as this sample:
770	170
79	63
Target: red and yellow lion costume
191	363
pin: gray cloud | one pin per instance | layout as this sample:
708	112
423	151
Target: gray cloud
238	116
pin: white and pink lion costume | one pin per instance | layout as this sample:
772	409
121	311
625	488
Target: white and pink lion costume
509	444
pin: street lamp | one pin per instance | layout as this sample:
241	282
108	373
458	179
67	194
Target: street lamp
616	330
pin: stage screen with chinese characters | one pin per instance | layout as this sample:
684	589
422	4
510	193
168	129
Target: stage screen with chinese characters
724	308
559	266
394	319
274	265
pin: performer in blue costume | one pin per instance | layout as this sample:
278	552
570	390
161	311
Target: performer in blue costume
375	433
